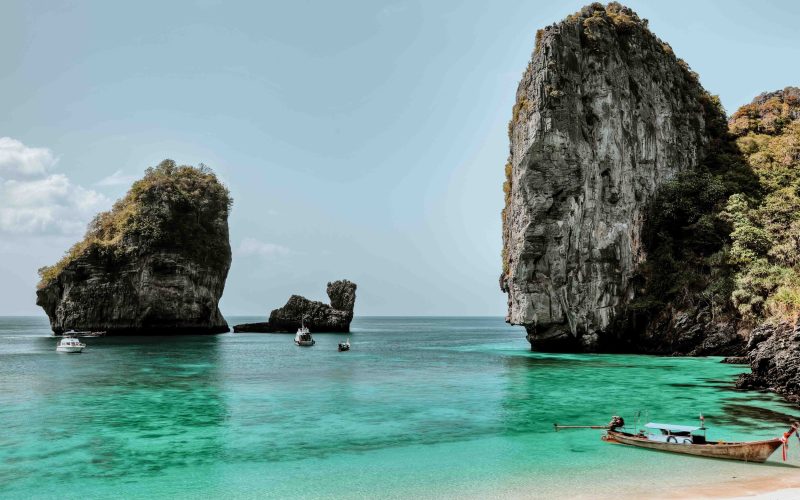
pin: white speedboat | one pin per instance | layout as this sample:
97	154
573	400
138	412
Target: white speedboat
70	344
344	346
303	337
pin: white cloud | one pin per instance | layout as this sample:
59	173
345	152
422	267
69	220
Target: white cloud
116	179
33	201
18	160
251	246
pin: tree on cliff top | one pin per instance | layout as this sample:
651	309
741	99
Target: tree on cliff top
171	206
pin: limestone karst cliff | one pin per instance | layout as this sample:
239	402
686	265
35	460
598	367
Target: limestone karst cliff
638	217
155	264
605	116
317	316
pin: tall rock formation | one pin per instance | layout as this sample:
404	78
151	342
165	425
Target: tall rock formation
316	316
155	264
605	114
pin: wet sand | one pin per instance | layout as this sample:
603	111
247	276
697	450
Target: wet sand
778	487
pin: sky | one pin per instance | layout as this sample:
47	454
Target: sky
359	139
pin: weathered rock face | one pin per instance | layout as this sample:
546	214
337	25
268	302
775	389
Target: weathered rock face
605	113
689	331
342	294
774	355
316	316
155	264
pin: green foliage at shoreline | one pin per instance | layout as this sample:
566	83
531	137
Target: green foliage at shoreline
170	206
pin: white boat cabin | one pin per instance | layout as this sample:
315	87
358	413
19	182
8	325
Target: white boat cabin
678	434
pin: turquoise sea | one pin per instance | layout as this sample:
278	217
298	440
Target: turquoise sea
421	407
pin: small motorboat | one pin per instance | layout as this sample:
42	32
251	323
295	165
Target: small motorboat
344	346
686	439
303	337
70	345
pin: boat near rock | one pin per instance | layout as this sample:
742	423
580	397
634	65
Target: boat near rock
70	345
303	337
320	318
690	440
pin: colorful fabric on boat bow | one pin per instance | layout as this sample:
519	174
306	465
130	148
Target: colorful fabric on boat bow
785	446
786	436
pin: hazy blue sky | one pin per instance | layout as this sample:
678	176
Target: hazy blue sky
363	140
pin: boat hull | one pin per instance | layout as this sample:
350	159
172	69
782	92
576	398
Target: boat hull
304	343
750	451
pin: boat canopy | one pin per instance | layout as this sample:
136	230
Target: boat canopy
672	428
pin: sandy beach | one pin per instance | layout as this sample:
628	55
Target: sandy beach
772	486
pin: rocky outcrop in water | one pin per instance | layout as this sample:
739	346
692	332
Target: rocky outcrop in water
604	115
774	356
316	316
155	264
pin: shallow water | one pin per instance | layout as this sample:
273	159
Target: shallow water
424	407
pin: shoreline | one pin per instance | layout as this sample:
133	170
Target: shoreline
768	487
774	486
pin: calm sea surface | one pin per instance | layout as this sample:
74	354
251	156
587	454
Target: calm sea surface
421	407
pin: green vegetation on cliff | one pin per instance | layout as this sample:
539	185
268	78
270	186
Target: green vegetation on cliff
727	234
766	229
170	206
686	236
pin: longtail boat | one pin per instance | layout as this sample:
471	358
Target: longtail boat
686	440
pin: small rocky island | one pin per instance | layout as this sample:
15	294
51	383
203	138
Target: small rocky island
316	316
156	263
